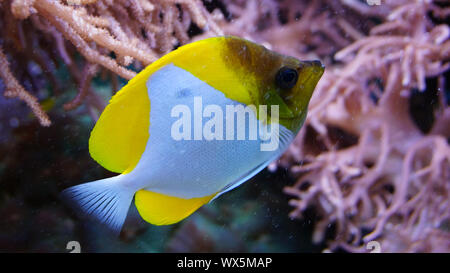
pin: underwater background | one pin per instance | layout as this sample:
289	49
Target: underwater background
372	162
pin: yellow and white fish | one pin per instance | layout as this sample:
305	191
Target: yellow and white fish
157	131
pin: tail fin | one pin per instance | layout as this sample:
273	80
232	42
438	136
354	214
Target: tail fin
105	200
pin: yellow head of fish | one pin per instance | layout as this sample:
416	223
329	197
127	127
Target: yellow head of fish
173	136
271	78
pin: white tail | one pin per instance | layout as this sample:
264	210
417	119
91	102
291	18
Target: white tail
106	200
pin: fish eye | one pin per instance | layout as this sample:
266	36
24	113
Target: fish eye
286	77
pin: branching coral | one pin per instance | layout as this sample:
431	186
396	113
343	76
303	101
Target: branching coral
136	32
14	89
360	160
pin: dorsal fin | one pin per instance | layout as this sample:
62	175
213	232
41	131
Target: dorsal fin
120	135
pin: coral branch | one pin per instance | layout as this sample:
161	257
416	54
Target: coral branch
111	34
15	90
89	72
393	180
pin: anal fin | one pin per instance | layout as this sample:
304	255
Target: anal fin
161	209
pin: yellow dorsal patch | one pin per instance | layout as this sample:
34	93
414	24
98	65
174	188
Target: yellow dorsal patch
119	138
208	60
121	133
161	209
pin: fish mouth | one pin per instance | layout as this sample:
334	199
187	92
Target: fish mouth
317	66
312	71
316	63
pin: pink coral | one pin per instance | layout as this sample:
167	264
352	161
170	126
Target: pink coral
390	178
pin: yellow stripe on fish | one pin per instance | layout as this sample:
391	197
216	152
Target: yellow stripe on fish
157	131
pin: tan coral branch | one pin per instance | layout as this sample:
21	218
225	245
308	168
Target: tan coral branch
15	90
90	54
91	32
89	72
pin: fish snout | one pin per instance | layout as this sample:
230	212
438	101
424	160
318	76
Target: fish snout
316	65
